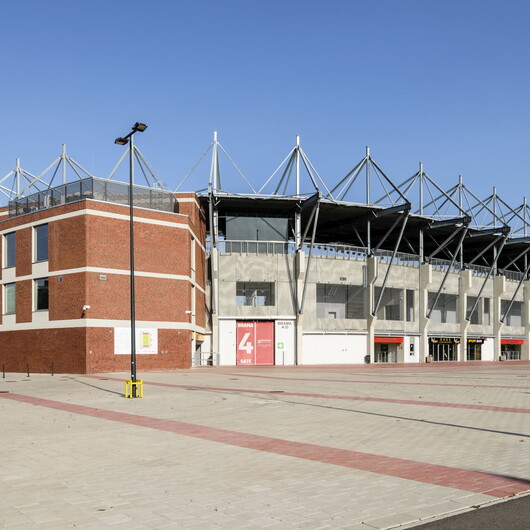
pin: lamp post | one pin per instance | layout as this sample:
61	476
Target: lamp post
124	140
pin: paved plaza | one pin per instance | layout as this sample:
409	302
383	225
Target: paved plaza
361	447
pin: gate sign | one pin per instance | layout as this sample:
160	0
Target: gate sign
254	342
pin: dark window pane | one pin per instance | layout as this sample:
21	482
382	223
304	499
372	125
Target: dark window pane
41	236
10	249
41	287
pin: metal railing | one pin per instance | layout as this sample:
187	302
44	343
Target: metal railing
336	251
93	188
401	258
349	252
205	358
478	270
444	264
254	247
514	276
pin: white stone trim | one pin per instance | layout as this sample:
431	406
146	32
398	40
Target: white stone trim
98	270
98	323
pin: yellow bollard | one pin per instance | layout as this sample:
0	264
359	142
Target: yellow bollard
129	384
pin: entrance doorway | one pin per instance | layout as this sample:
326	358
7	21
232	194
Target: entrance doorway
385	353
443	349
254	343
474	350
386	349
511	349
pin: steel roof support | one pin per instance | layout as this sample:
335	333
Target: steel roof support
493	266
519	256
396	246
389	231
445	243
508	309
435	301
485	249
314	217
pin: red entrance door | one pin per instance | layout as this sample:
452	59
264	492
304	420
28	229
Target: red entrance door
255	342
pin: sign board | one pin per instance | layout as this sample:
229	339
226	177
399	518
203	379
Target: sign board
388	340
146	341
512	341
285	341
254	342
444	340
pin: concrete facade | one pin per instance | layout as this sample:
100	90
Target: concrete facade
401	334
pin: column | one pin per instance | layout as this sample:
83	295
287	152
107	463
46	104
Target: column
424	322
499	287
465	286
371	276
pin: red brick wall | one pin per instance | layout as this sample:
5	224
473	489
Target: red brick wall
158	249
200	314
24	253
39	348
24	300
157	299
67	298
67	243
69	351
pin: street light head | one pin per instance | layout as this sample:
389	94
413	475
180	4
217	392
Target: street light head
121	141
140	127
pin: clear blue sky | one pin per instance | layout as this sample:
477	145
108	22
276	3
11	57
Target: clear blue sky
445	82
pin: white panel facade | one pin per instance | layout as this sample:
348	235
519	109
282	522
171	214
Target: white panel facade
330	348
285	342
227	342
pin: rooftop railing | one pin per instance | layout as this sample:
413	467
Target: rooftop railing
93	188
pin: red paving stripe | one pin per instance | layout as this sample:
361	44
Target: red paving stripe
449	477
239	374
490	408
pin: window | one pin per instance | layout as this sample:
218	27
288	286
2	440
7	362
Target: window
514	317
340	301
41	294
390	305
475	317
9	299
9	249
446	309
254	294
41	243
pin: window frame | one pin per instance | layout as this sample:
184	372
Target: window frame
269	300
36	231
5	304
8	255
336	299
36	294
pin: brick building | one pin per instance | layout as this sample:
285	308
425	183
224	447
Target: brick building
66	282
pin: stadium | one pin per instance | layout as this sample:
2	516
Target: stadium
294	272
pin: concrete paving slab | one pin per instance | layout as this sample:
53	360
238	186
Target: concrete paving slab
267	447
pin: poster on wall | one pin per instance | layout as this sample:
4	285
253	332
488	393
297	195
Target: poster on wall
146	341
254	343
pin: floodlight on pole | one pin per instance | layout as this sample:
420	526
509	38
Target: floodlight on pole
124	140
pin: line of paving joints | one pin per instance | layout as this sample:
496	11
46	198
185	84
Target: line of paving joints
490	408
456	478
